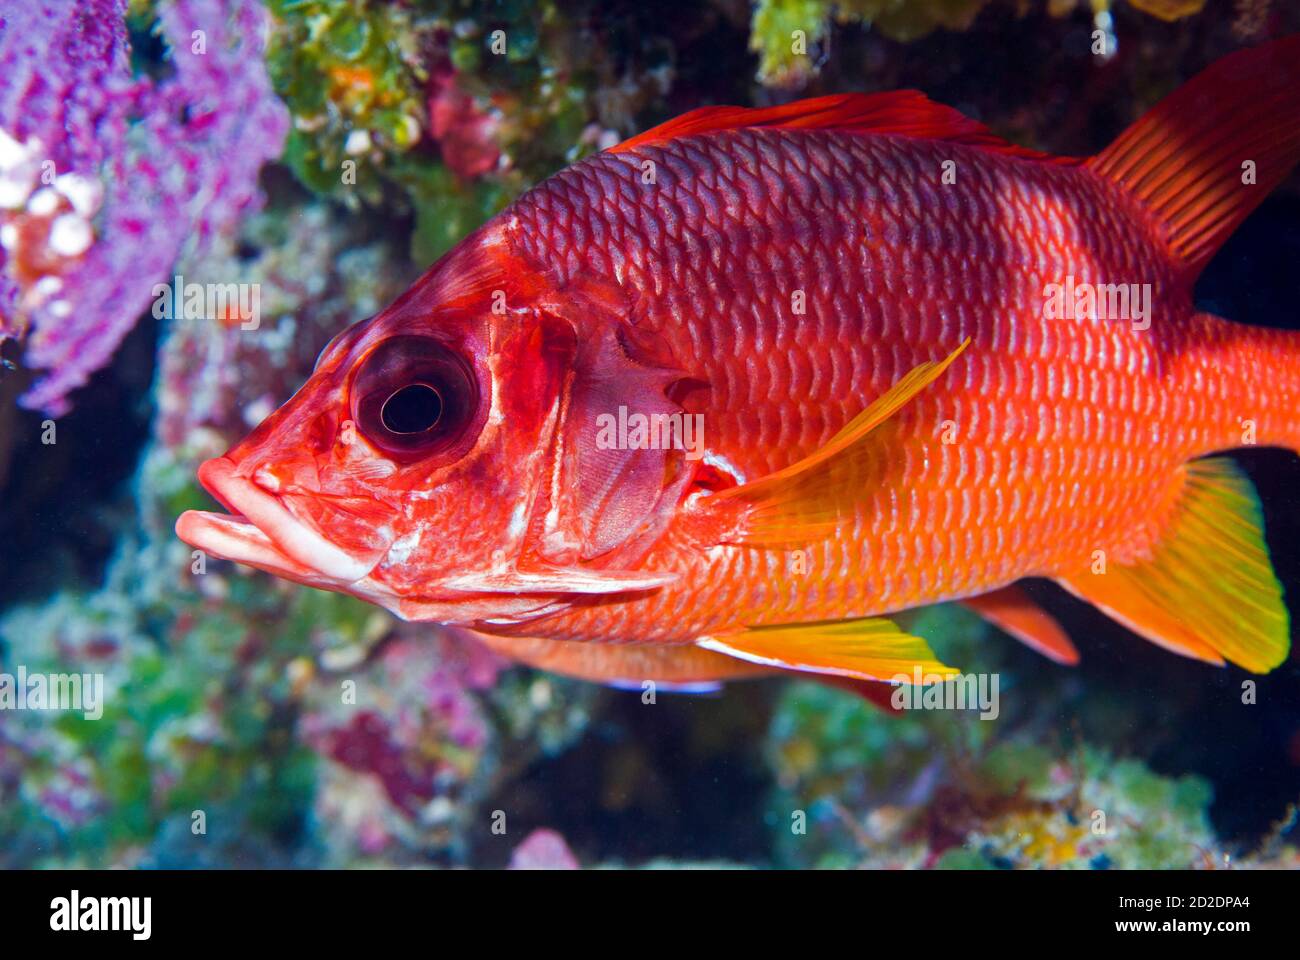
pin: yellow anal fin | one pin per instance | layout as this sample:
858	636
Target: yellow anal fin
1010	610
869	649
808	499
1208	590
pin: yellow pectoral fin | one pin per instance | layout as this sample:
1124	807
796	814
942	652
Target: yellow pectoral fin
1208	590
870	649
806	500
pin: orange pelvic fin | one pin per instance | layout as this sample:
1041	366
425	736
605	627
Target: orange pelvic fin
686	667
1205	156
868	649
807	500
1011	611
1208	590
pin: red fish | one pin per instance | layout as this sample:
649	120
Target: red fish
715	402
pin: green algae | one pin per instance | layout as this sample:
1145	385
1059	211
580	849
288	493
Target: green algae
786	34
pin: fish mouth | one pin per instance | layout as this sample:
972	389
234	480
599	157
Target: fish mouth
261	532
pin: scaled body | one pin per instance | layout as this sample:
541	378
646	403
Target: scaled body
927	364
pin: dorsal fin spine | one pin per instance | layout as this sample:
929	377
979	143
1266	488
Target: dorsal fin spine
906	113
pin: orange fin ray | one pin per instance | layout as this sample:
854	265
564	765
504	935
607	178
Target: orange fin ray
1011	611
679	666
1208	591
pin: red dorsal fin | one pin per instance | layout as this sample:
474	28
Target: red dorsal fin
907	113
1185	158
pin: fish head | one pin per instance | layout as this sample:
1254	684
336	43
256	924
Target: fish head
420	466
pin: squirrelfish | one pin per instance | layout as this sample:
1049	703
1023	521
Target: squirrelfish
717	401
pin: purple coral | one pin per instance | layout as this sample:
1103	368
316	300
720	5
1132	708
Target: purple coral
106	177
543	849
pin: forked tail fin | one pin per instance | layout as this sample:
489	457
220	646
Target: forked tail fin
1206	156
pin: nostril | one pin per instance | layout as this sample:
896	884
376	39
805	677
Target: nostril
285	477
266	478
321	434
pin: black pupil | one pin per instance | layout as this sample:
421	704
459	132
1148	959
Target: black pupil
413	409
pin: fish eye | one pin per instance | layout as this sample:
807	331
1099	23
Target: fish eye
414	397
415	408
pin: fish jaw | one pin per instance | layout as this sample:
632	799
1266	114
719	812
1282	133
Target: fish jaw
261	531
234	538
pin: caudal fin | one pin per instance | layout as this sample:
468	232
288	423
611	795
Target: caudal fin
1204	157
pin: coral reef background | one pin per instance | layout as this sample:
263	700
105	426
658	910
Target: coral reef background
328	151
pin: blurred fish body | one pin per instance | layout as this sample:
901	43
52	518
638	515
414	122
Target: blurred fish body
918	364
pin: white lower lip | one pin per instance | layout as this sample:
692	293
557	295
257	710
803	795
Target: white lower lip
232	538
269	537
